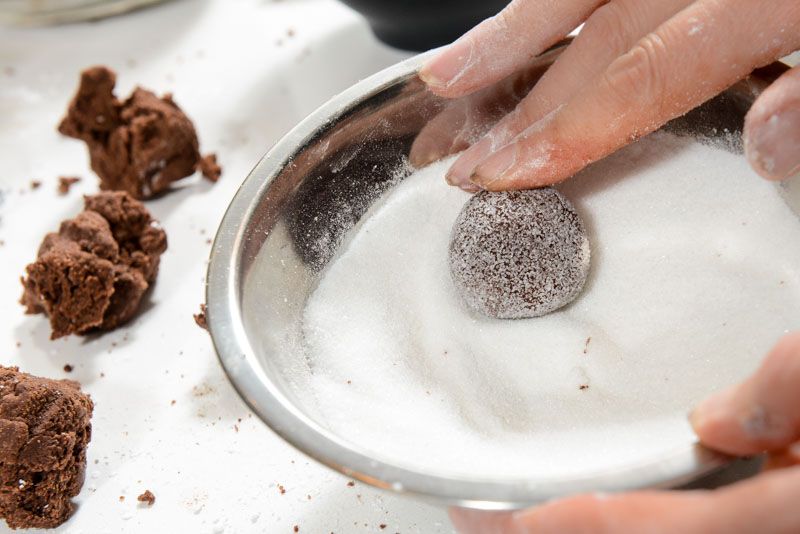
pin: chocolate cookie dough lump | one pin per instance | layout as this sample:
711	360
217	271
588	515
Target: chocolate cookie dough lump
44	430
518	254
93	273
140	145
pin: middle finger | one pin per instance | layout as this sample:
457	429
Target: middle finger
610	32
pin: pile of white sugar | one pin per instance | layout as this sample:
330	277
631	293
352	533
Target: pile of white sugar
694	276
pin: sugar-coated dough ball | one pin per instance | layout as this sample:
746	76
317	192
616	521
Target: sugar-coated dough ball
518	254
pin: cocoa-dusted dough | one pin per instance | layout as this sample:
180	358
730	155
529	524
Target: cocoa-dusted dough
140	145
93	273
518	254
45	426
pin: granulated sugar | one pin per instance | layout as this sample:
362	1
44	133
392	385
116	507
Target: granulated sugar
694	276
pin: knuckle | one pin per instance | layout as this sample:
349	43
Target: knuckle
504	20
638	78
610	24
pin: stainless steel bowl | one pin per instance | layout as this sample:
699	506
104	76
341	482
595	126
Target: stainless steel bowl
266	261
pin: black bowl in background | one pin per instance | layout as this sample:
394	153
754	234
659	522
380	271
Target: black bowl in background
419	25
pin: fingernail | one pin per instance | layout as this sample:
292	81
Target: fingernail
480	522
715	408
495	166
728	408
449	65
460	171
422	157
773	148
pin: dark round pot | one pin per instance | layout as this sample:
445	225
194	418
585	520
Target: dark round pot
423	24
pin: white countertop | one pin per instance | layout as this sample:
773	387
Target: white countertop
236	71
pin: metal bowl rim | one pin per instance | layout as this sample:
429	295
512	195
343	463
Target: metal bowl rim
248	378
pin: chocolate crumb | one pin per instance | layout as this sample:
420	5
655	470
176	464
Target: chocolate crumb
121	498
583	386
172	402
36	184
209	167
296	528
281	489
351	483
65	183
586	346
382	526
200	318
67	368
147	497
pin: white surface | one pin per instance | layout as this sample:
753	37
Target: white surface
693	278
245	82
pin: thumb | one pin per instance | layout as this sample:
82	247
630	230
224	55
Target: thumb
772	129
761	414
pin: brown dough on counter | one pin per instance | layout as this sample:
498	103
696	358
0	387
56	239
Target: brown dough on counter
201	318
209	167
45	427
65	183
147	497
140	145
93	273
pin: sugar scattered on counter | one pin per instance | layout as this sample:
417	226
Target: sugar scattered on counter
694	276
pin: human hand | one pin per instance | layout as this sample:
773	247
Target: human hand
635	65
761	414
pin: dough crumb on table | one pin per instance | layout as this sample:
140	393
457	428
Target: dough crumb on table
200	318
139	145
209	167
93	273
45	427
147	498
65	183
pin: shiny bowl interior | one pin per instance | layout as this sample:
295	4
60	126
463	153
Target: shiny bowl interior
267	259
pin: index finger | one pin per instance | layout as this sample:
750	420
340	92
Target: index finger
503	44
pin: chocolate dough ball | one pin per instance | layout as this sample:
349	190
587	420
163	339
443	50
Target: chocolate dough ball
45	427
518	254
